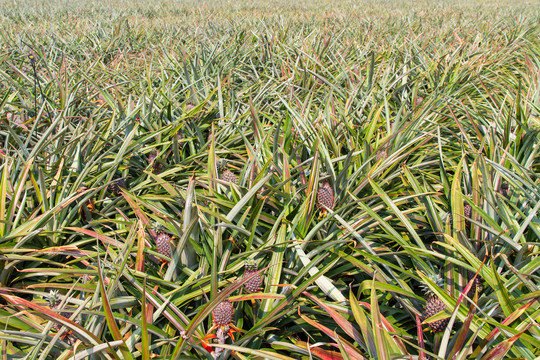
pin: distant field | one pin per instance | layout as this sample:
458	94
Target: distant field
328	180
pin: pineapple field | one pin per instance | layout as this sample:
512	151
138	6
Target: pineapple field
269	179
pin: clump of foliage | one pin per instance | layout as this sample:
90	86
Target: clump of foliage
161	159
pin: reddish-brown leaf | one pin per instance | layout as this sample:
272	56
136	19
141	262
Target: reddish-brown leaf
339	319
352	351
51	315
420	335
94	234
323	354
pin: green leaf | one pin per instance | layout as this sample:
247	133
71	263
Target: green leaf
378	329
145	336
111	322
499	351
502	293
364	324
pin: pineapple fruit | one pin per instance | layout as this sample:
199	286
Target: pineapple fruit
222	318
254	284
325	196
477	284
54	301
226	174
223	314
434	305
156	166
116	186
163	241
467	211
504	190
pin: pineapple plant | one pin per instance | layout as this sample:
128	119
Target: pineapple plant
54	302
434	305
116	186
226	174
254	284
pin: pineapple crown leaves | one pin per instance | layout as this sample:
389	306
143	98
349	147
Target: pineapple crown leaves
222	165
250	264
433	285
324	177
152	155
158	227
117	184
53	298
435	281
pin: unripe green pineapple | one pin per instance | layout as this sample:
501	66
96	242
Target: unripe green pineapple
434	305
254	284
